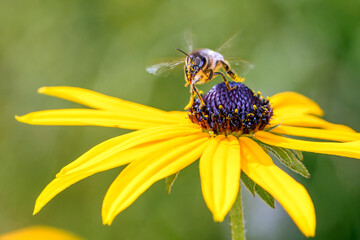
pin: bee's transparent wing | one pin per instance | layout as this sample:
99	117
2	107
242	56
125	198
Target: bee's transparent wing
164	68
189	40
240	66
228	44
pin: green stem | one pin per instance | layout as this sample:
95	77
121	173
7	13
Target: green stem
237	219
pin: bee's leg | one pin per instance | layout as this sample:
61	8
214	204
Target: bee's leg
209	74
194	91
231	73
225	80
198	94
191	102
192	97
186	76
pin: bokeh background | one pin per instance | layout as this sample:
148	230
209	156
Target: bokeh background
312	47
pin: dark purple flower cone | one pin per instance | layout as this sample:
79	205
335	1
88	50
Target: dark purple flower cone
238	111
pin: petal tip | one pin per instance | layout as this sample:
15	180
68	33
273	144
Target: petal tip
36	210
107	220
22	119
38	205
42	90
219	218
310	233
18	118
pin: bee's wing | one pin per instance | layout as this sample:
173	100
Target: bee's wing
164	68
240	66
228	44
190	40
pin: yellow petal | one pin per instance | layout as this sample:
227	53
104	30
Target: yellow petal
180	115
108	150
141	174
347	149
317	133
110	154
220	175
291	111
62	182
95	118
39	233
101	101
296	101
294	119
290	194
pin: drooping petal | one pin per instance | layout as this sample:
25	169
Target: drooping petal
220	175
101	101
294	119
141	174
110	154
64	181
290	194
296	101
108	150
317	133
39	233
93	117
347	149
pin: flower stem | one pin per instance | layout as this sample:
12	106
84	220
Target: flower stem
237	219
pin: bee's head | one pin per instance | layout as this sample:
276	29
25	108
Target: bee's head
194	63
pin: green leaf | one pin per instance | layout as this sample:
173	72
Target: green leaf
170	181
265	196
249	184
290	158
298	154
254	188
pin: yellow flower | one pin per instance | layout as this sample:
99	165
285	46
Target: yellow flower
226	135
39	233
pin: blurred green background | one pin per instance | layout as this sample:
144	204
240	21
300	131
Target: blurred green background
312	47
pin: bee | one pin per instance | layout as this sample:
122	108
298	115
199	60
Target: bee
201	66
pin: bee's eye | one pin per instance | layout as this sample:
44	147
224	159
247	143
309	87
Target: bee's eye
199	61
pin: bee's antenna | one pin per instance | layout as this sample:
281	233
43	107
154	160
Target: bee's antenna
182	51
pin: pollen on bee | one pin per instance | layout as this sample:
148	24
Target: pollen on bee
239	79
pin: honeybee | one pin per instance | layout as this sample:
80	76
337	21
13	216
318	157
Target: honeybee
201	66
